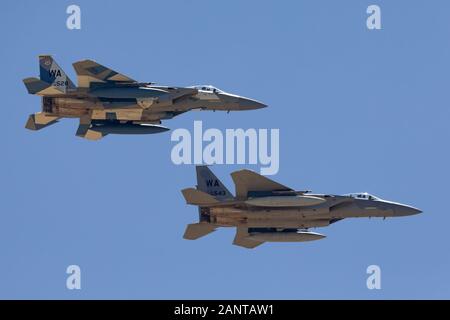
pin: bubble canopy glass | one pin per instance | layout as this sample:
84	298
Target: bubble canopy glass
363	196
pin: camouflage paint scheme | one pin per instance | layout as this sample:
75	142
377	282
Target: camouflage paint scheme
267	211
108	102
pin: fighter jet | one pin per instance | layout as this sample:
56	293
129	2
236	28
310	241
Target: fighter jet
108	102
267	211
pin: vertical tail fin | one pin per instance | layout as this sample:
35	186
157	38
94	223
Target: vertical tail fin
209	183
51	73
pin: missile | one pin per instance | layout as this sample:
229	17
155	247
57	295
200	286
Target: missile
296	236
285	201
127	128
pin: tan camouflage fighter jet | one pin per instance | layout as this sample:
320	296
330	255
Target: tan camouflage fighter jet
107	102
266	211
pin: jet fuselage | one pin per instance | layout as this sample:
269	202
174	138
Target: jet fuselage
333	208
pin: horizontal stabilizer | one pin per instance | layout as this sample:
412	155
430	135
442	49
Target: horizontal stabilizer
198	198
36	86
247	180
39	120
198	230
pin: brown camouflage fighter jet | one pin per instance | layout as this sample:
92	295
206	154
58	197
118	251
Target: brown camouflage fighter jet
107	102
266	211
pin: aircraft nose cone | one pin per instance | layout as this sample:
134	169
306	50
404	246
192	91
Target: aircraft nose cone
407	211
249	104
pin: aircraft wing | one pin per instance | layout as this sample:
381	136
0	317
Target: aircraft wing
90	71
246	181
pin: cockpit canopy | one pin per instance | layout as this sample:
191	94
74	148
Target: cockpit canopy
363	196
207	88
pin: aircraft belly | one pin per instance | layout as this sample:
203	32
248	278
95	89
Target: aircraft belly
117	114
68	112
74	107
117	104
274	218
227	212
72	103
286	223
288	213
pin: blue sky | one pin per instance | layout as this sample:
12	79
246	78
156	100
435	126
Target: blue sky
357	110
